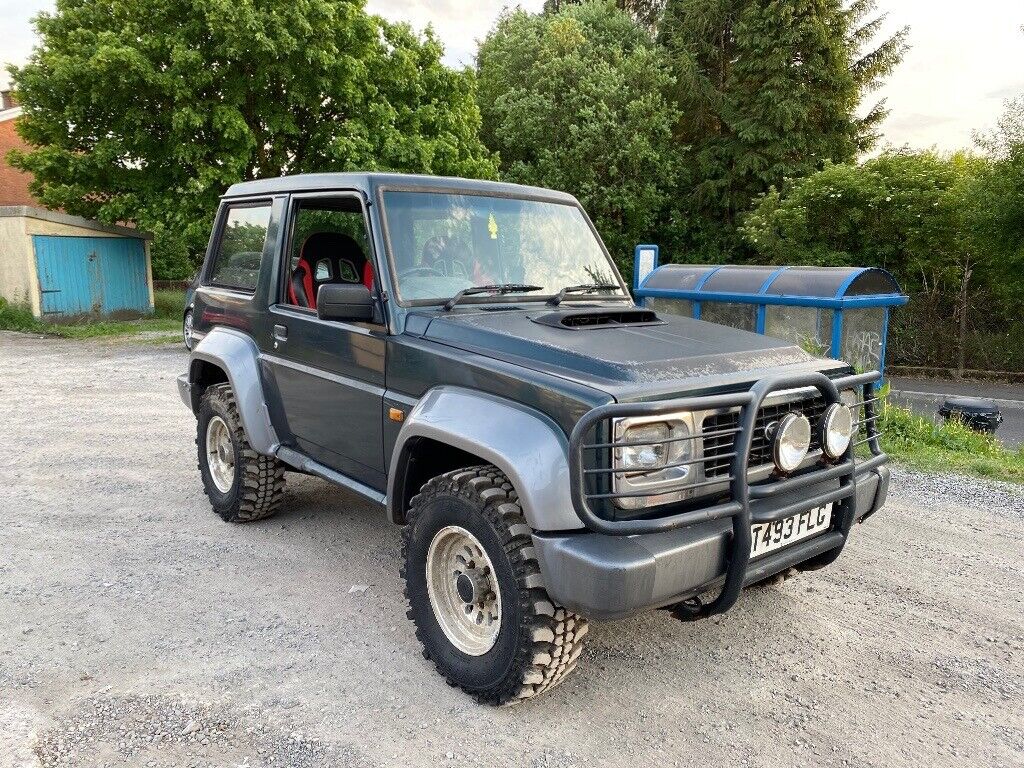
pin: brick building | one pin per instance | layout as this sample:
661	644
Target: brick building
13	183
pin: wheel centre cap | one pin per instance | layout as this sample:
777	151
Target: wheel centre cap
471	586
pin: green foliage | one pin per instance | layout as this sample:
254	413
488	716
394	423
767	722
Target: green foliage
145	112
169	304
646	12
949	446
768	90
17	318
902	211
999	213
575	101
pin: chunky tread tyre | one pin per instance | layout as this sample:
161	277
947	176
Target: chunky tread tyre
543	646
259	480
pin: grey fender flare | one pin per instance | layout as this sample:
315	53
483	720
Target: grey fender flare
522	442
237	355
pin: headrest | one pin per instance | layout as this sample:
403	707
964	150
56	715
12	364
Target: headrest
331	245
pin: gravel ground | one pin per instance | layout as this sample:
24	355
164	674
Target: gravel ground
139	630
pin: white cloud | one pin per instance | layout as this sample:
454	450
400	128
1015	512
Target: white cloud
964	61
461	24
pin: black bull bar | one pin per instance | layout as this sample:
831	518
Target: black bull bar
741	492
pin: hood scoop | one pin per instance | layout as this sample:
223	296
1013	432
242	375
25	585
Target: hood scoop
593	319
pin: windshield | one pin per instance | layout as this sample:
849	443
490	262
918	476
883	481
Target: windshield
442	243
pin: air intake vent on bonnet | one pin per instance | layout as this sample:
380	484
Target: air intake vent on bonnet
586	319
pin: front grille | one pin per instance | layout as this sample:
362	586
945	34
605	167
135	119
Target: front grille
719	445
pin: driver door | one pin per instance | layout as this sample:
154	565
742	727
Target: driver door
329	374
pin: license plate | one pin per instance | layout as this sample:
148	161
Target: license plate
767	537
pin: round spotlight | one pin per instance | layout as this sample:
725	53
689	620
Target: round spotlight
792	441
836	430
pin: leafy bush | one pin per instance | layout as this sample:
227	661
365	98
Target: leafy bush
169	304
17	318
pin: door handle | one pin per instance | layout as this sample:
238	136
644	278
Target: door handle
280	333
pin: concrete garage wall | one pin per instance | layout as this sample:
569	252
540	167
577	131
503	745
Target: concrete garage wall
19	283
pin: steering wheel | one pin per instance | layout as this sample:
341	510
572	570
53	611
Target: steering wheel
421	271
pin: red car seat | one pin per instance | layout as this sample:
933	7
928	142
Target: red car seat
346	263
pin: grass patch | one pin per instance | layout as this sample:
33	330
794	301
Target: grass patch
169	304
19	318
948	447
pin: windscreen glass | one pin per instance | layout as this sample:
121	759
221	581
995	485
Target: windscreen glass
442	243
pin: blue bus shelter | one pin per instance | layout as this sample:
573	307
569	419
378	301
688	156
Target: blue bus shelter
840	312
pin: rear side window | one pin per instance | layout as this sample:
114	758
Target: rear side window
240	250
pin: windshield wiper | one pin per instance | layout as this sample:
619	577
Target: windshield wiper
555	300
499	289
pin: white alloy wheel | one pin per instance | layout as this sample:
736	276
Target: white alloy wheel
220	454
188	331
463	589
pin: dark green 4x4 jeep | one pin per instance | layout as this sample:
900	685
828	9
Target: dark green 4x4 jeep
465	355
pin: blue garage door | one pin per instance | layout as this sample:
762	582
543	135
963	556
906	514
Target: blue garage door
91	274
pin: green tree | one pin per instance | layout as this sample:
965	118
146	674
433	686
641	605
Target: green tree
1000	209
144	112
647	12
767	90
576	101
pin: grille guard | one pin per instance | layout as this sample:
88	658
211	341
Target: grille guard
741	493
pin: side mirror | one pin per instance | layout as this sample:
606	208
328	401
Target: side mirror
344	301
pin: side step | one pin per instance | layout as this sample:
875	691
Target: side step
303	463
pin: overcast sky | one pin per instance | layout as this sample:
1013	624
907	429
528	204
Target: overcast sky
966	57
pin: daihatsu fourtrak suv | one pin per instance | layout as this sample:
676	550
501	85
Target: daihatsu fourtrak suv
465	355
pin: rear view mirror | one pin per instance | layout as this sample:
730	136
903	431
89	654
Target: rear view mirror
344	301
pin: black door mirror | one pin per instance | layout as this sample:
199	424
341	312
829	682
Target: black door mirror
344	301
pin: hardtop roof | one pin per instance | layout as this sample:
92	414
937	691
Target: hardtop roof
368	183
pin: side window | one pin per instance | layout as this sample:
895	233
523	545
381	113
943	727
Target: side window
329	244
240	251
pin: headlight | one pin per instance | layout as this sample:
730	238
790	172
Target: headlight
650	464
652	453
792	441
836	430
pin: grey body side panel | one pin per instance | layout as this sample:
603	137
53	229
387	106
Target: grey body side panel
523	443
238	356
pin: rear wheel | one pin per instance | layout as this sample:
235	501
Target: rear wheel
476	594
188	331
242	485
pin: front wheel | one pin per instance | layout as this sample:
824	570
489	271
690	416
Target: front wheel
476	594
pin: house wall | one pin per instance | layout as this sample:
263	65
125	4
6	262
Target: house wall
13	182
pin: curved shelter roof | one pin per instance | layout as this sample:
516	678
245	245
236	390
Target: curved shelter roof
809	286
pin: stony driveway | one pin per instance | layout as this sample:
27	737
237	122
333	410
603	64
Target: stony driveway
136	629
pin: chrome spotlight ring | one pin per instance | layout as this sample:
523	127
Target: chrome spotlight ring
792	442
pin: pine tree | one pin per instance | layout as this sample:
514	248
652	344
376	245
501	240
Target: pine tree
767	90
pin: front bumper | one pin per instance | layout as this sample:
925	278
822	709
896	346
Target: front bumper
624	566
612	577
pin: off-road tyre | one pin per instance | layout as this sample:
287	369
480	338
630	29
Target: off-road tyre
538	642
258	486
